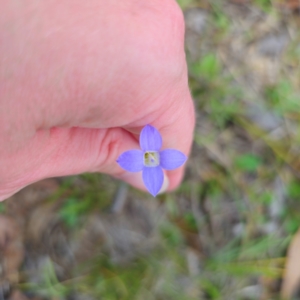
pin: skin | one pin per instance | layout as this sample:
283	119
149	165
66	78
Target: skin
80	79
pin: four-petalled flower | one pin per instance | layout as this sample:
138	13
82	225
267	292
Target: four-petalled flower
150	160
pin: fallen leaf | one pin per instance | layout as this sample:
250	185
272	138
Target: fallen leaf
291	278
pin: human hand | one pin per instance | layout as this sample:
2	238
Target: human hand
79	80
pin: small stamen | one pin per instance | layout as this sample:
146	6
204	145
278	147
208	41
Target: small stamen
151	159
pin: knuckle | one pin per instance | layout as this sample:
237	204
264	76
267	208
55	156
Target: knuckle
108	151
176	15
163	28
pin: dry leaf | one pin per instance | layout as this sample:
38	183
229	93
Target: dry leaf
291	278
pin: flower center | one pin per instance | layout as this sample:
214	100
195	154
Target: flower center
151	159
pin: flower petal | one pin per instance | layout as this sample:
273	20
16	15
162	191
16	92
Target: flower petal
150	139
131	160
171	159
153	178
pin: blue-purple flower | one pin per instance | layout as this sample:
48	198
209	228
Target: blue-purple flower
150	160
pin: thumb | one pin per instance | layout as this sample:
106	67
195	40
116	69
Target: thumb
62	152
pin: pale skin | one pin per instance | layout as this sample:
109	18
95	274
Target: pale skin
78	81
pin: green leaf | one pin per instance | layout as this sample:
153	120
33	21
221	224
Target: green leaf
208	67
211	289
266	197
294	189
72	209
291	225
2	208
171	233
282	97
185	3
265	5
248	162
191	221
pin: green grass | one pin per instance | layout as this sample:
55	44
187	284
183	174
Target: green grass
2	207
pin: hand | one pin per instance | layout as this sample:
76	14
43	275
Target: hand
78	81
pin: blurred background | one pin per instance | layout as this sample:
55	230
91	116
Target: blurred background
230	231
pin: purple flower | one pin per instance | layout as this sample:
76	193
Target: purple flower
150	160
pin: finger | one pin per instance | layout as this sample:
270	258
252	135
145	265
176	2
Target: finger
176	126
79	150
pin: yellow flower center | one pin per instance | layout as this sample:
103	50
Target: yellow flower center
151	159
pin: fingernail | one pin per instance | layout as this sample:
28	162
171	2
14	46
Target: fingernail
165	185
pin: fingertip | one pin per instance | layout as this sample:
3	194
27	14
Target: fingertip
134	179
175	178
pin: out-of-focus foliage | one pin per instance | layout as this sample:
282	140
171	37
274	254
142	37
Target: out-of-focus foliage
225	232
